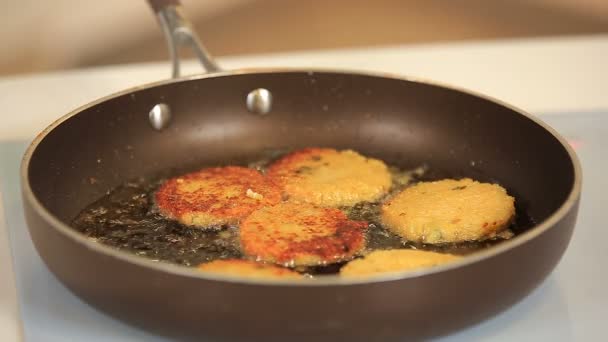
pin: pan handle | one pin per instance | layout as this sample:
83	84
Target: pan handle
179	32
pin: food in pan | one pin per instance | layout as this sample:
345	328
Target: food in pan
248	269
395	260
298	234
230	218
449	211
215	196
330	178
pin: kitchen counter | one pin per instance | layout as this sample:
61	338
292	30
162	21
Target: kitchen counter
563	80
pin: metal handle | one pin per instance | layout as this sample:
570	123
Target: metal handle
179	32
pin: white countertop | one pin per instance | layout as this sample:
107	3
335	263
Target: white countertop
538	75
559	75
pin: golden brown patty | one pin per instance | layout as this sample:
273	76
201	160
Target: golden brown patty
299	234
330	178
395	260
449	211
215	196
248	269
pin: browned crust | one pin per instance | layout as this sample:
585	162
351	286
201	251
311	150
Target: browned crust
298	234
216	195
395	260
449	211
330	178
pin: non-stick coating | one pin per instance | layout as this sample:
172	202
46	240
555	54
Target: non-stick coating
403	122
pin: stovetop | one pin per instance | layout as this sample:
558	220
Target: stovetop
570	304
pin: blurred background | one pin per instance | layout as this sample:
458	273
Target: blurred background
63	34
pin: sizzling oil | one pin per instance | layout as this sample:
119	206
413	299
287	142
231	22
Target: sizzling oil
125	218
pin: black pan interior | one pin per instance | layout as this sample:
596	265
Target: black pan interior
402	122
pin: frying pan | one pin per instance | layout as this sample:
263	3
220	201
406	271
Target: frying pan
225	117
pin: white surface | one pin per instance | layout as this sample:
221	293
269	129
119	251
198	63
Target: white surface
10	327
543	75
558	75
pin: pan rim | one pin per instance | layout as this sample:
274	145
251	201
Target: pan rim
333	280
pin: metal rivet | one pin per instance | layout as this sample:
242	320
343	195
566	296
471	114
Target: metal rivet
259	101
160	116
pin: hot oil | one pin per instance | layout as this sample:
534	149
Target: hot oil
126	219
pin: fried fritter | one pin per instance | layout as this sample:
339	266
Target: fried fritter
330	178
449	211
248	269
394	260
300	234
215	196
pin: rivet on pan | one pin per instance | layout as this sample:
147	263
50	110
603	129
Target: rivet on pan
259	101
160	116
